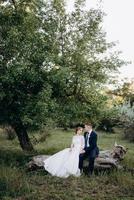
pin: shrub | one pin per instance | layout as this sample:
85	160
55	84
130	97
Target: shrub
129	132
109	119
10	133
127	120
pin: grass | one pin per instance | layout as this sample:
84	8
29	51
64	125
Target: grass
17	183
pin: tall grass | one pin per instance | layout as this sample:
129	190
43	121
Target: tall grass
17	183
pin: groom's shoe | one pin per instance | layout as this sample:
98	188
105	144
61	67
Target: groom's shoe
89	175
81	171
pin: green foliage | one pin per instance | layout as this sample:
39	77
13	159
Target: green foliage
109	118
129	132
127	120
25	91
52	64
126	91
81	64
126	112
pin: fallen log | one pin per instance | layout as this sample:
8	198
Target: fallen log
108	159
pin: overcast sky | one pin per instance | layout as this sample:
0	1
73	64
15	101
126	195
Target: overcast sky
118	23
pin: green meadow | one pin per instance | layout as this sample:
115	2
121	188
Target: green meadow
17	183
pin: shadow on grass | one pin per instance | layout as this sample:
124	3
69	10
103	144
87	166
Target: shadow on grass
14	158
14	178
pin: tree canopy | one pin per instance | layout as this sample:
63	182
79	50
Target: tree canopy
53	64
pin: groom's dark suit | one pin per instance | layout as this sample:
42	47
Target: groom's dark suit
91	151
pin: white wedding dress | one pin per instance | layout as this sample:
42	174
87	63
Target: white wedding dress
66	162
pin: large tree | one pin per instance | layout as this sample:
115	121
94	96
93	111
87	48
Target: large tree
52	64
25	92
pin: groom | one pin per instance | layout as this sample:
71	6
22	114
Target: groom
91	150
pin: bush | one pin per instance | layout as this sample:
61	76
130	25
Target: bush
10	133
127	120
109	119
129	132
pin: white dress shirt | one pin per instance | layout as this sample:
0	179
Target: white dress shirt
88	136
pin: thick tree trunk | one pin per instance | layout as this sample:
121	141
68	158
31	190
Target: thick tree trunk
22	135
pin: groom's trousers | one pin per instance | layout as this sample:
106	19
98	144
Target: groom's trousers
91	159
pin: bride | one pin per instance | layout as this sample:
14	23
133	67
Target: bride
66	162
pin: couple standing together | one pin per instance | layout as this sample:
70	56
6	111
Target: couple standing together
70	160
